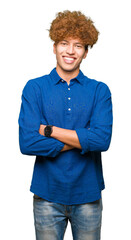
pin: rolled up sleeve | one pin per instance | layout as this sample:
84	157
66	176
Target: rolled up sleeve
97	136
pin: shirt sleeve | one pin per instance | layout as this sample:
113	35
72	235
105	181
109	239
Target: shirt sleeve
97	136
30	141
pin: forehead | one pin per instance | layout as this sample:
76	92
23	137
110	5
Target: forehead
73	40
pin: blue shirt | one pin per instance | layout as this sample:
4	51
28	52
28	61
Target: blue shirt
74	176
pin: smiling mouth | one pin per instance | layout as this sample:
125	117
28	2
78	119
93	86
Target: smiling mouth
69	59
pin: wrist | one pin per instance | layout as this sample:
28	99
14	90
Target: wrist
56	131
48	130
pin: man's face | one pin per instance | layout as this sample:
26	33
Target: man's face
69	54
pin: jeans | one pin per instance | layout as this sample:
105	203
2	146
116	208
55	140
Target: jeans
51	220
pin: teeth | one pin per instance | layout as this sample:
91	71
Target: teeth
69	59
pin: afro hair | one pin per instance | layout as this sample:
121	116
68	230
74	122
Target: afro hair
73	24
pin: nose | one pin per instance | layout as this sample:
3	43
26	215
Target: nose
70	49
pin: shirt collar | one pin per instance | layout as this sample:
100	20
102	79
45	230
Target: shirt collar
56	78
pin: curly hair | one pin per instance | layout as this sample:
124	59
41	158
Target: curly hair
73	24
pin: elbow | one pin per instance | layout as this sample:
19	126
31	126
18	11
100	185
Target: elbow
105	145
24	149
105	140
23	142
26	142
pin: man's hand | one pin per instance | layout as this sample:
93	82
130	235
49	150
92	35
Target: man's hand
41	129
66	148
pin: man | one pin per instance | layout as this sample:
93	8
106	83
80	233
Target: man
66	121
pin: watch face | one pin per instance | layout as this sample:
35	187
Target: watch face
48	131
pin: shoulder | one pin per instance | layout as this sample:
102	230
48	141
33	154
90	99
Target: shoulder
97	86
35	84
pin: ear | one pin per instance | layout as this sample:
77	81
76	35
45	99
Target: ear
54	48
85	55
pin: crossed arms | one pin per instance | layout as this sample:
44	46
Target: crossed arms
68	137
31	132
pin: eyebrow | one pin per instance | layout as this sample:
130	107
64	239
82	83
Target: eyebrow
74	43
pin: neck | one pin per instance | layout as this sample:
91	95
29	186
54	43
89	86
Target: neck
67	75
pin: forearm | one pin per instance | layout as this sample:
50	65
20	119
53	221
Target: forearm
69	137
66	136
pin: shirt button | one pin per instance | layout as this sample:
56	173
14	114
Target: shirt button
62	80
69	98
69	109
69	89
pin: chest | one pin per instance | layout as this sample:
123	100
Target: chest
67	106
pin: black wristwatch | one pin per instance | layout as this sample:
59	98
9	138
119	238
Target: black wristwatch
48	130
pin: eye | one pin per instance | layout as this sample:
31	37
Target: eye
64	43
79	46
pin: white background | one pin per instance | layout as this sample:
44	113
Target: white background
25	53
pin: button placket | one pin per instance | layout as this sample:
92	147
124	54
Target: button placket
69	100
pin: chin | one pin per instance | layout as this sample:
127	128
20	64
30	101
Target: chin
70	69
